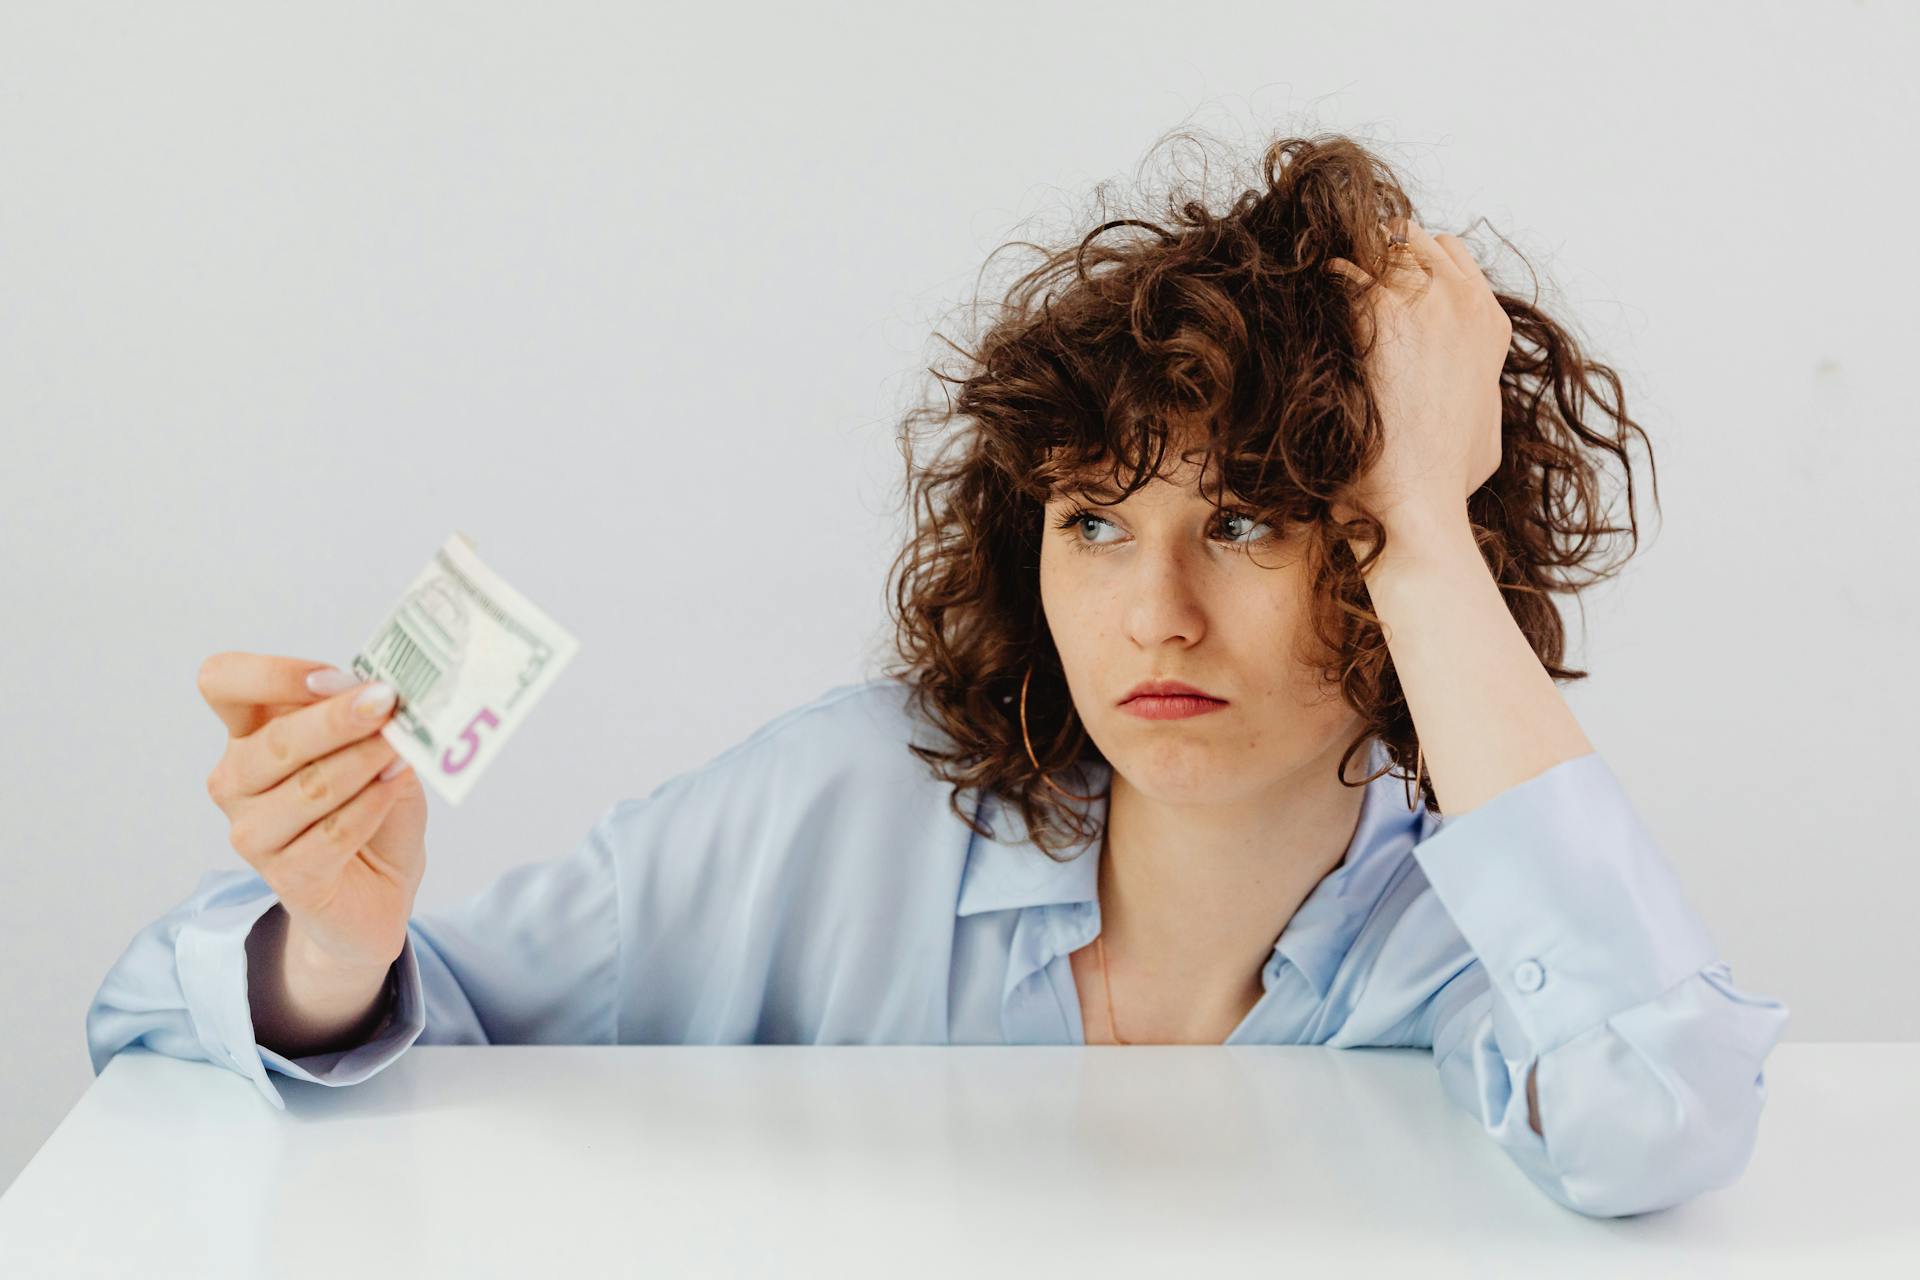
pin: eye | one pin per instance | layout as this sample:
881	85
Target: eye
1238	515
1080	516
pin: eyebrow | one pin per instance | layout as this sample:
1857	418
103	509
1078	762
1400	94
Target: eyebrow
1094	490
1086	489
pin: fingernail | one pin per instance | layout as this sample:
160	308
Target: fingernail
393	769
374	700
329	680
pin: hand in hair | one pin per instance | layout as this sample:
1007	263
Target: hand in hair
1435	340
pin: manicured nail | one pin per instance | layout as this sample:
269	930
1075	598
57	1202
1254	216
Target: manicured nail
374	700
329	680
393	769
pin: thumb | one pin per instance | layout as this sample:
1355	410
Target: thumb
401	838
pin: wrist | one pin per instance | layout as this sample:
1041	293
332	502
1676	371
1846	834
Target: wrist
301	1000
321	971
1419	534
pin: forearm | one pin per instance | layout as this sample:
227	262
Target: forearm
1487	713
302	1005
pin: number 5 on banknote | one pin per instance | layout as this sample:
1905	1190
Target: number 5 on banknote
469	657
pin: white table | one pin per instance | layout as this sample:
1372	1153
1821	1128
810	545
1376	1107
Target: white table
781	1160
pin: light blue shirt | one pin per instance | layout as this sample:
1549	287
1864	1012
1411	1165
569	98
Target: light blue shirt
810	884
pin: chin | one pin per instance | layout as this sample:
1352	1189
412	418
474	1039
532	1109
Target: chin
1188	772
1177	763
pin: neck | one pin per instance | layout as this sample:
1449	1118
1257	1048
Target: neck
1193	897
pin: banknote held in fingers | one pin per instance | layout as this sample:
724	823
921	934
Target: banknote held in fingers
469	657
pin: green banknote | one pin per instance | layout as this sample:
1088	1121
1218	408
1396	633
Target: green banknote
469	657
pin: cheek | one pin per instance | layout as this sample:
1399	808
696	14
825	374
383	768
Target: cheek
1272	601
1052	588
1064	588
1274	630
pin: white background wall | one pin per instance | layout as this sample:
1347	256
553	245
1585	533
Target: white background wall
632	293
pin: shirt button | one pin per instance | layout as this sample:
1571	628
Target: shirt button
1528	975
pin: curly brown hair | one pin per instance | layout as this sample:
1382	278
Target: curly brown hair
1224	332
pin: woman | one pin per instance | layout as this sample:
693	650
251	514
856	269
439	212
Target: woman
1330	500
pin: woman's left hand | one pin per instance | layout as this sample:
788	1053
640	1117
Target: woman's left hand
1435	375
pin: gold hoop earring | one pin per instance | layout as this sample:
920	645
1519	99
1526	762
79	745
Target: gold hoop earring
1028	679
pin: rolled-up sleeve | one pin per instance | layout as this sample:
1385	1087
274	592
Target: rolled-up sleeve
1591	965
534	958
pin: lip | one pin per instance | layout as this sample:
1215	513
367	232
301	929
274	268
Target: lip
1176	707
1167	689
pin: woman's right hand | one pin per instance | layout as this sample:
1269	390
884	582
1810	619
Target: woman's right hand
344	851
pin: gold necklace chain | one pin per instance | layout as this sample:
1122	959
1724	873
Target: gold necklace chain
1100	943
1106	983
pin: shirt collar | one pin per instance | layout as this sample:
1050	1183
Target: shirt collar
1007	870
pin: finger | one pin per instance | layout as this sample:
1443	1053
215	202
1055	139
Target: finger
1362	313
1401	268
1341	267
1462	256
241	687
308	867
272	753
1429	252
271	820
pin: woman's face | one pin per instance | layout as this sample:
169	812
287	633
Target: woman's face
1162	586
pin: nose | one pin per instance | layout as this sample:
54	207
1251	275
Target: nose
1163	601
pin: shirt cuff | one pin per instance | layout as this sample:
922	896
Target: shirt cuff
1566	899
211	953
